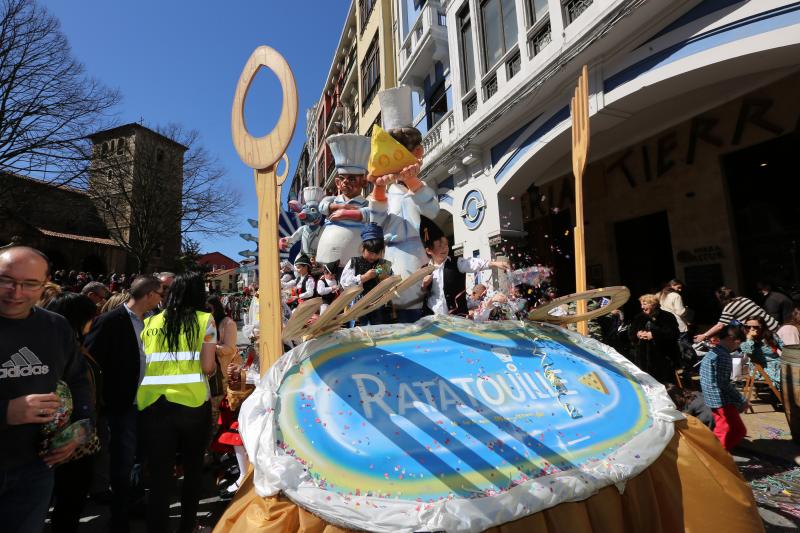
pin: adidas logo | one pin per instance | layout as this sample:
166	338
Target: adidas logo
23	363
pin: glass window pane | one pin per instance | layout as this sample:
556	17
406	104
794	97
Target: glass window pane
492	39
469	59
509	24
540	7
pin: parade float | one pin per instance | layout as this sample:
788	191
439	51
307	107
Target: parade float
451	425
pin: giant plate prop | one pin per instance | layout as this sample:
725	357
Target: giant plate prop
451	425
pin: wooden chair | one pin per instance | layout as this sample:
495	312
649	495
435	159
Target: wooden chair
750	385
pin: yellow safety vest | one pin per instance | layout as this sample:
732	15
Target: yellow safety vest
177	376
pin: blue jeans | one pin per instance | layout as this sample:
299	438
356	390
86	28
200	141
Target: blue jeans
122	427
25	497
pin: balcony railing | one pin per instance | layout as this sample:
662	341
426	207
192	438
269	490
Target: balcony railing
440	136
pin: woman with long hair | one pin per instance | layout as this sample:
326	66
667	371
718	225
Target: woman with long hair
736	309
74	477
227	439
173	398
789	332
671	301
763	347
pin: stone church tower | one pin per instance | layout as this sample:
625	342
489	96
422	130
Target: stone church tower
135	182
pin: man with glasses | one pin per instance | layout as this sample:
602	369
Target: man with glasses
37	349
348	212
115	342
166	279
719	393
97	293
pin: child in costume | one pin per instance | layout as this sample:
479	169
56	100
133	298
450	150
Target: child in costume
327	286
400	198
304	288
447	284
368	269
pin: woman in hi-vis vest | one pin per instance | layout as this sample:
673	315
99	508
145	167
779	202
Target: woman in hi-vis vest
173	398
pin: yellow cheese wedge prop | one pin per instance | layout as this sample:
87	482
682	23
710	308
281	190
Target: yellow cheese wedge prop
593	381
387	156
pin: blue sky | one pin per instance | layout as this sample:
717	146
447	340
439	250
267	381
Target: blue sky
179	61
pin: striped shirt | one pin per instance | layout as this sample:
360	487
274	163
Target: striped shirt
740	309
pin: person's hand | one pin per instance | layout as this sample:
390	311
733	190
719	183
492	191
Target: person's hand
699	338
386	180
368	275
59	455
346	214
646	335
411	171
502	265
233	371
32	409
426	281
283	243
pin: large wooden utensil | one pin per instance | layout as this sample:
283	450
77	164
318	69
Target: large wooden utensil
262	154
580	151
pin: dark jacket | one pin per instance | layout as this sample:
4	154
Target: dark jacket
113	343
36	352
660	356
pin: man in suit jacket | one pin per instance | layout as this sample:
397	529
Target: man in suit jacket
115	342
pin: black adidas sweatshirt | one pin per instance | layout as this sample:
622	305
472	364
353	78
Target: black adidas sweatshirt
35	353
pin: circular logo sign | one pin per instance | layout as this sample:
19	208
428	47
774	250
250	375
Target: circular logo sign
473	209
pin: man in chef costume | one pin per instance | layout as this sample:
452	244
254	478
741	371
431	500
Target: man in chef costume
406	198
349	211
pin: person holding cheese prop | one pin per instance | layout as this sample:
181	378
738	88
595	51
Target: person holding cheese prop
348	212
400	197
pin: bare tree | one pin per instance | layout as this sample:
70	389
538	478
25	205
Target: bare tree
48	105
154	187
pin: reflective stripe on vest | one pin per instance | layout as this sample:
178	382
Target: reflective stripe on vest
178	376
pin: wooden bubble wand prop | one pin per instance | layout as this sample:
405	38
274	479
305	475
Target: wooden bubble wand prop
262	154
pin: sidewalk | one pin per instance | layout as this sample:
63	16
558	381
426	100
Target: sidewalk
768	460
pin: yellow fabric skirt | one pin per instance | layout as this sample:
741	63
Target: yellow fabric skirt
694	486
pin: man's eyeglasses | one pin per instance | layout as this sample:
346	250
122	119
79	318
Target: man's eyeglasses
26	286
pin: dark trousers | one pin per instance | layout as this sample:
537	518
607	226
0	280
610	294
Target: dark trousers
166	429
408	316
122	427
71	489
24	497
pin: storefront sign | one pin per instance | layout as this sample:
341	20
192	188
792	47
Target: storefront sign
702	131
704	254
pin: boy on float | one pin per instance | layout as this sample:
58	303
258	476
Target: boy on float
446	286
368	269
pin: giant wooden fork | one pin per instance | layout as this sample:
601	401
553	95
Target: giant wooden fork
580	151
